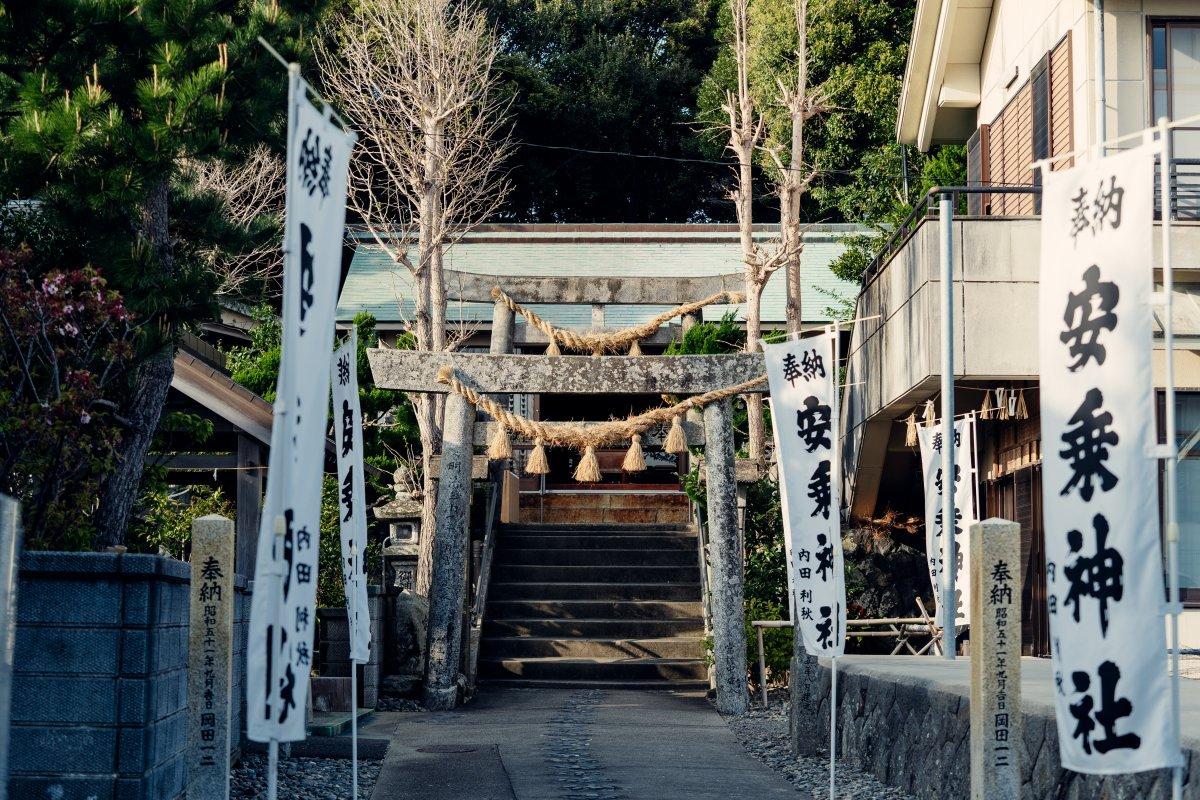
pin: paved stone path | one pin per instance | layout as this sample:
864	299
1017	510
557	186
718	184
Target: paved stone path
589	744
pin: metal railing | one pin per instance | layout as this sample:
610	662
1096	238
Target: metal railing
1184	180
900	628
927	208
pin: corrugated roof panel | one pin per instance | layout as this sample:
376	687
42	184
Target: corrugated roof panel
383	288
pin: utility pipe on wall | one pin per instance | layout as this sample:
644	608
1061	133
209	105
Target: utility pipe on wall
1101	84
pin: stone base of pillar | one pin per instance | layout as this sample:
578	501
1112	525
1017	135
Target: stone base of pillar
441	699
805	732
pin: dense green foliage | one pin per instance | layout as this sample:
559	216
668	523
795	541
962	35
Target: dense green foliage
607	75
109	100
164	521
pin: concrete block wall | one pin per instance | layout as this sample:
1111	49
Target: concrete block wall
241	632
100	677
334	656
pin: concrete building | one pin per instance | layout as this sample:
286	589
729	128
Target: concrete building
1015	82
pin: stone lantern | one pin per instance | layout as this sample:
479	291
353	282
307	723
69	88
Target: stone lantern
408	612
403	541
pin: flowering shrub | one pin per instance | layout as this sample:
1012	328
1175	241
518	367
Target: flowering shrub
65	341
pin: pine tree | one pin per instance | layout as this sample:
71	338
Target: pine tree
109	101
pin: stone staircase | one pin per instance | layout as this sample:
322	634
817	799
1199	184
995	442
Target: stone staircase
595	605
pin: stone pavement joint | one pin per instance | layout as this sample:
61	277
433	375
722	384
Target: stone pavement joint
583	744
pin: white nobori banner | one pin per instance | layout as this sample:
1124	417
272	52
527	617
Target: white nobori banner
1104	568
283	606
347	422
965	513
804	418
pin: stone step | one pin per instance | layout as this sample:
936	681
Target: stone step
582	557
631	529
648	515
540	591
539	573
605	500
570	669
599	541
562	611
615	685
679	647
594	628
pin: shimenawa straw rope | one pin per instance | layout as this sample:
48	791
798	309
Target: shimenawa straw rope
587	437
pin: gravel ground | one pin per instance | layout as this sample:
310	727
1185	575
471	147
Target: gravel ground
303	778
764	734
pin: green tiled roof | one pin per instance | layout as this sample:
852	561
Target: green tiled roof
378	285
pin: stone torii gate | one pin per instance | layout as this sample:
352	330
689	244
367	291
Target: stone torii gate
500	372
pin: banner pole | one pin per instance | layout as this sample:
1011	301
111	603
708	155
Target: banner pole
1170	485
949	602
273	769
832	725
280	480
353	681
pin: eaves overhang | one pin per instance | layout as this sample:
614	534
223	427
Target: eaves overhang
941	89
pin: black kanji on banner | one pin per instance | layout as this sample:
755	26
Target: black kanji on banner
1087	446
1089	312
314	164
813	424
1099	576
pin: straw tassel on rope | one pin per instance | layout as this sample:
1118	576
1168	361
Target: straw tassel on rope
552	348
1022	409
930	418
634	461
500	445
910	430
537	463
635	349
676	439
588	470
985	411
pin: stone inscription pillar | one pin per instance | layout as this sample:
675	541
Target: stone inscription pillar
725	556
210	658
996	729
448	582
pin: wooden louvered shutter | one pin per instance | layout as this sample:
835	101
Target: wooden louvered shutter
1039	82
978	169
1062	139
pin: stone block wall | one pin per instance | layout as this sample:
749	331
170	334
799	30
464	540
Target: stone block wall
100	677
915	734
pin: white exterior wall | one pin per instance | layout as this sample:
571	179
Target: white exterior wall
1022	31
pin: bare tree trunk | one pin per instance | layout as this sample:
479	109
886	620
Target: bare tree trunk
743	137
431	302
152	382
789	207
